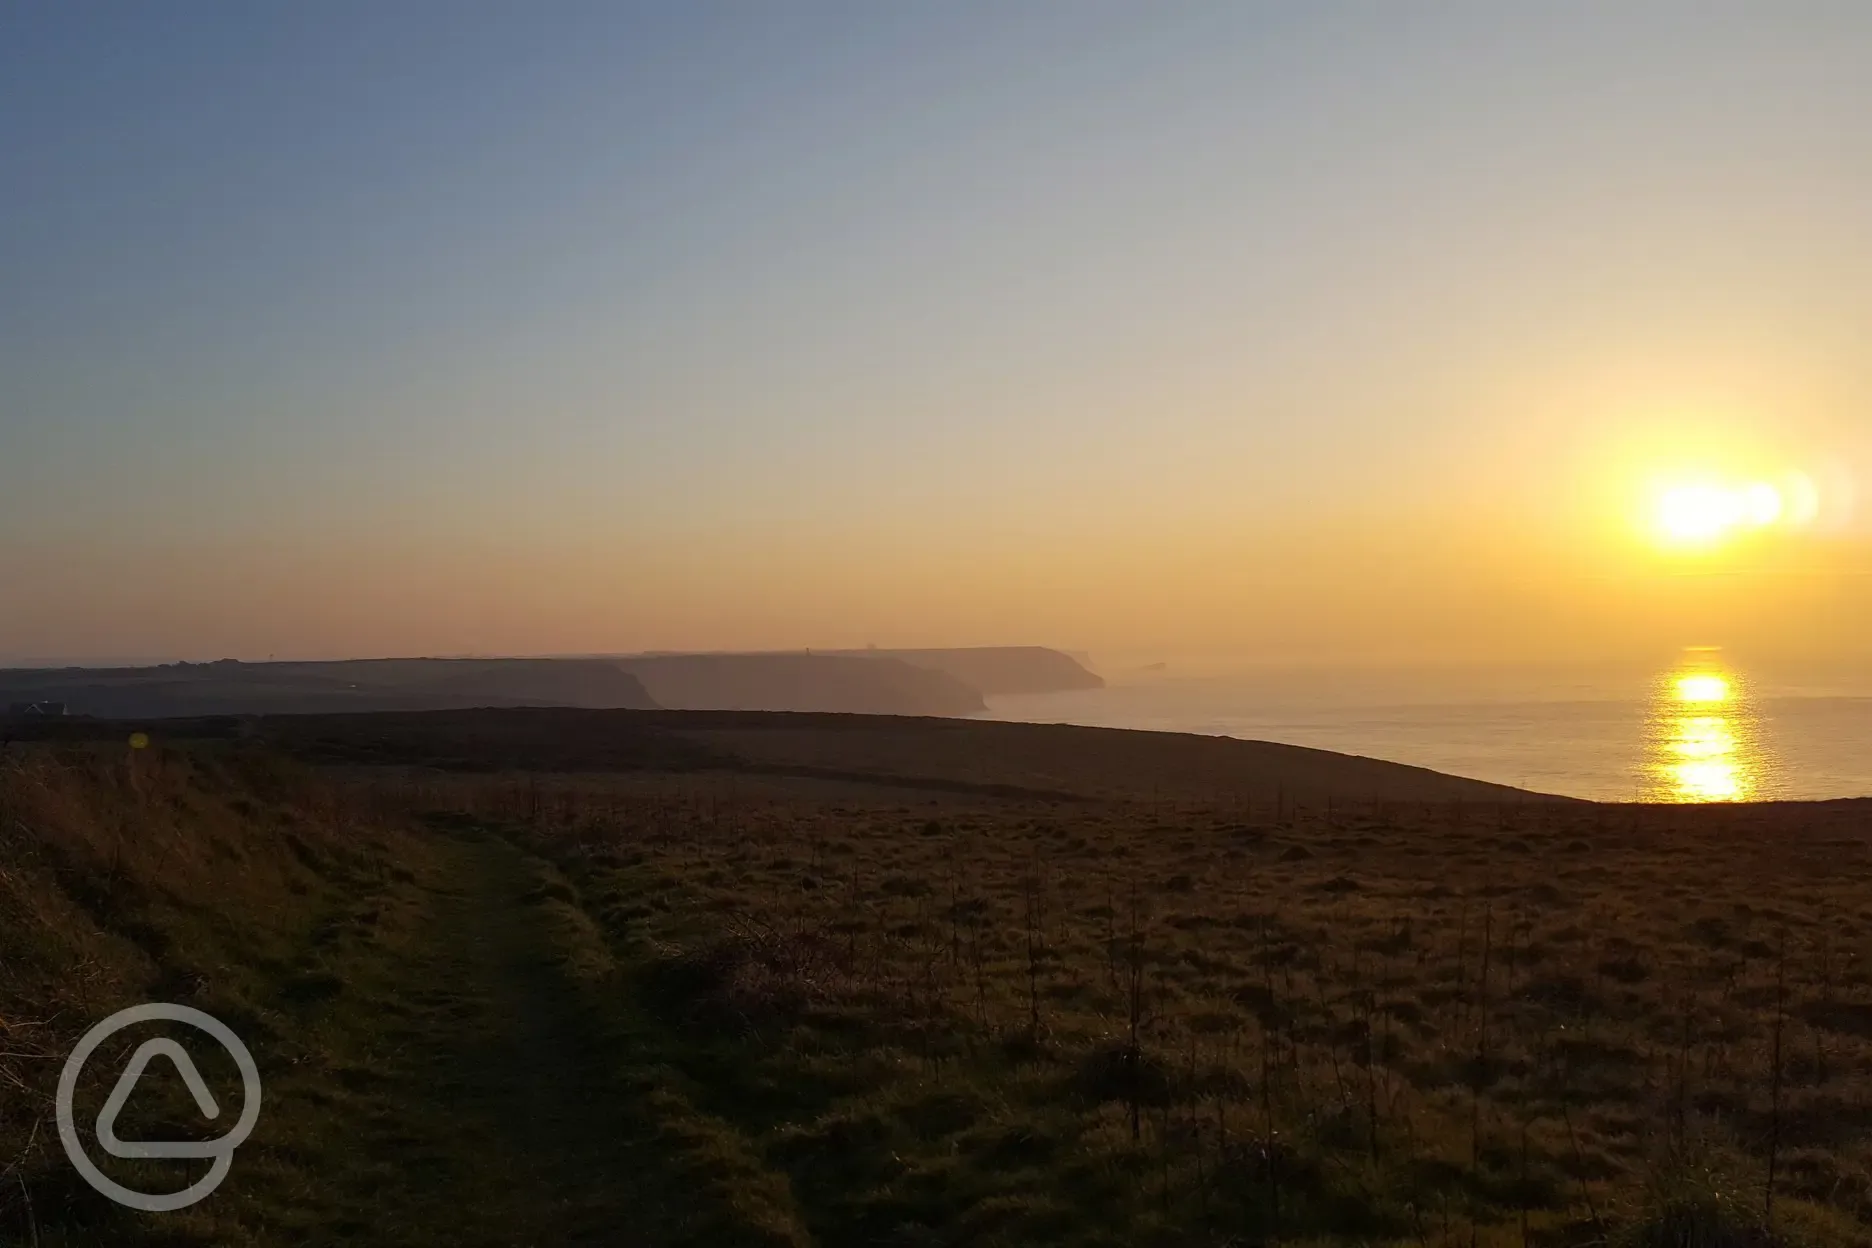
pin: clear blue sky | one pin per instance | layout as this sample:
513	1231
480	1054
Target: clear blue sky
352	328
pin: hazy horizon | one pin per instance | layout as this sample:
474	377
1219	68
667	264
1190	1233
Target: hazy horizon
1338	334
1321	681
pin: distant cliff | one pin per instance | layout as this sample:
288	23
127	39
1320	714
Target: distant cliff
801	682
869	682
229	688
998	669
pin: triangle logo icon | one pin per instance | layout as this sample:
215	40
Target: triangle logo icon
178	1057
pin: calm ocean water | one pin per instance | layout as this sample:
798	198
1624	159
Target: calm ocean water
1697	731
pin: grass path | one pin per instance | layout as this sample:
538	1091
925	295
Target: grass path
502	1075
480	1079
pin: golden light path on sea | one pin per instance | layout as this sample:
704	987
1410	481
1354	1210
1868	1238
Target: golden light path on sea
1705	735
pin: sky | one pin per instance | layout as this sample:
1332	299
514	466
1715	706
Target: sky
1321	332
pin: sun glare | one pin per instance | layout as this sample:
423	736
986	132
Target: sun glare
1702	689
1706	735
1698	513
1707	514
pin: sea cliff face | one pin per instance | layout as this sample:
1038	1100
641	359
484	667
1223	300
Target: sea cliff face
993	670
875	682
801	682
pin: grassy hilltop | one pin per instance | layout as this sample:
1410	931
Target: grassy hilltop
609	977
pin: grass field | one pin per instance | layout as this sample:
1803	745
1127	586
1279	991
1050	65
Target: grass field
702	987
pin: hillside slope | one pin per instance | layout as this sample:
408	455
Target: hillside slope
229	688
559	977
985	755
1086	762
434	1025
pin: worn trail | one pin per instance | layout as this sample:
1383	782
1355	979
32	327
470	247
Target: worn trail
474	1091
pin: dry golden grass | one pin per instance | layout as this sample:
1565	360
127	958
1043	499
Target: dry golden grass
1124	1020
220	878
802	987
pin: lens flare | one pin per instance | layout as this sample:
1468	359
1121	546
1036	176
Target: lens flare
1763	504
1803	499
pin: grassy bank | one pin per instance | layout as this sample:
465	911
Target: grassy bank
954	1020
681	996
222	878
444	1058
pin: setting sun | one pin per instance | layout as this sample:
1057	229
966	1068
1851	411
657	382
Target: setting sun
1704	514
1698	513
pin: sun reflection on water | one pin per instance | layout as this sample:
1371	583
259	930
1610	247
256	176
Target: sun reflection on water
1705	736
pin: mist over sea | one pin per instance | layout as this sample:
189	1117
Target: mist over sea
1701	729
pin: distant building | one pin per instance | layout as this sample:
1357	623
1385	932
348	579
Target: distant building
37	710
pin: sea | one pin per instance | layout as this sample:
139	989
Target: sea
1702	728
